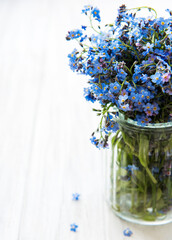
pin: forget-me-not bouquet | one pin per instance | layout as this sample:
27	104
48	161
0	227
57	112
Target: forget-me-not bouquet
128	64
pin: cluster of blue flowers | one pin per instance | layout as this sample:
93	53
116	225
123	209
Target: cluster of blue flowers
128	65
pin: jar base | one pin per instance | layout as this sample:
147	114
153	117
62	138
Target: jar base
130	218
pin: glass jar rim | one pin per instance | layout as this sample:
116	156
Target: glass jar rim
148	126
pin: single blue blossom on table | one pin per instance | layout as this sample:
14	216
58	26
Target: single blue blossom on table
127	232
75	196
73	227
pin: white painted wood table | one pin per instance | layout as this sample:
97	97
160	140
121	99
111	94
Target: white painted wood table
45	125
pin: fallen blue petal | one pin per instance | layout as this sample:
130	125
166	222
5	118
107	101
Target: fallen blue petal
73	227
75	196
127	232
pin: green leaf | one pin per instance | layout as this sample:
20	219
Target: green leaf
143	150
158	194
115	138
144	153
140	176
128	140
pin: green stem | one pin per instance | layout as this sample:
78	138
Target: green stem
150	175
154	197
145	197
112	176
138	9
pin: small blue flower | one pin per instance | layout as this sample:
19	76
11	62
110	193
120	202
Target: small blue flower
94	141
125	107
86	9
122	99
75	196
148	47
74	34
155	170
84	27
121	74
156	78
96	14
73	227
132	168
89	96
127	232
115	87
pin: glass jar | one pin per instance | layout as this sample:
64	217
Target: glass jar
140	173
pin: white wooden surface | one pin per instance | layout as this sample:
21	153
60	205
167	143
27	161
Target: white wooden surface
45	125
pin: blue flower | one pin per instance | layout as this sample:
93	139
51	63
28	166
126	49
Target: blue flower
155	108
121	74
127	232
113	126
132	168
74	34
96	14
115	87
162	23
142	120
89	96
73	227
84	27
136	77
157	43
125	107
134	97
86	9
155	170
148	47
95	141
156	78
75	196
122	99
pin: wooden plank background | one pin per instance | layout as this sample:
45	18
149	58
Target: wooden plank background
45	126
